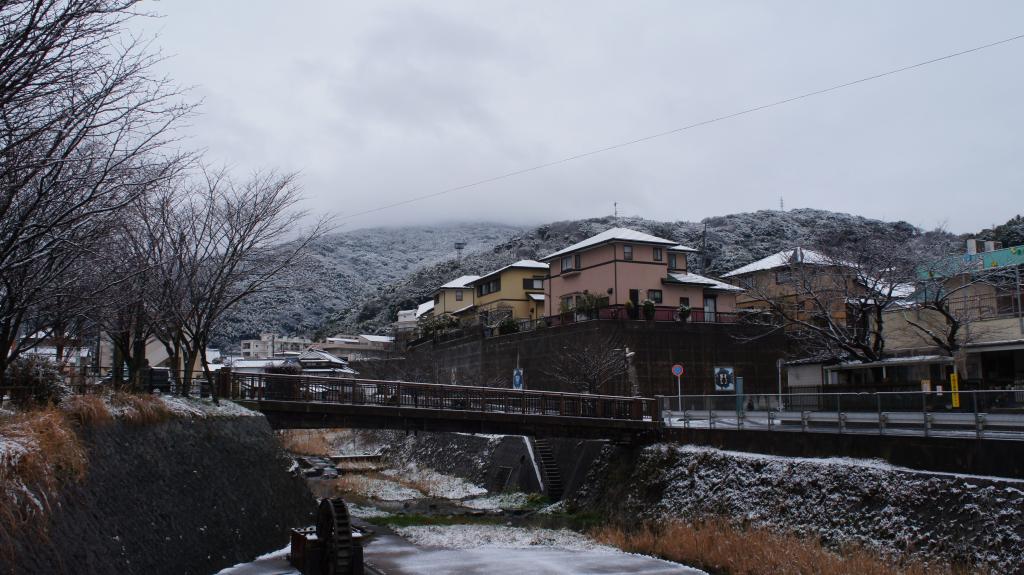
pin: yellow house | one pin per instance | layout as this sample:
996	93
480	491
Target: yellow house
453	297
515	291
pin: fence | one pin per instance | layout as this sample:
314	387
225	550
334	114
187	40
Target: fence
993	413
271	387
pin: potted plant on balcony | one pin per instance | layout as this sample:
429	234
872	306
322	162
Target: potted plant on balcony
649	309
683	313
629	307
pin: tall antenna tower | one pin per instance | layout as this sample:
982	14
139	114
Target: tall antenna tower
782	204
616	207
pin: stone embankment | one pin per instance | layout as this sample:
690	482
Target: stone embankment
963	519
189	494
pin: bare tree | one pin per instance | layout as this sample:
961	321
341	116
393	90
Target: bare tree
225	242
85	130
952	297
590	363
832	301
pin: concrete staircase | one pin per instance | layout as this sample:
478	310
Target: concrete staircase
553	487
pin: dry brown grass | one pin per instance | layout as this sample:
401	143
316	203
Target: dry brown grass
305	442
87	410
48	453
720	547
141	409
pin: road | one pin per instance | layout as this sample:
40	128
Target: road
1007	426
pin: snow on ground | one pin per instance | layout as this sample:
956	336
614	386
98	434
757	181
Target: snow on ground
382	489
437	484
364	512
558	507
508	554
274	563
473	536
514	500
202	408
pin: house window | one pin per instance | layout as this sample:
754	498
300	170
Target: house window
567	302
533	283
654	295
784	277
571	262
673	263
458	295
684	301
627	253
489	287
658	255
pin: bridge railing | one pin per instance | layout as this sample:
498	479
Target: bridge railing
460	398
982	413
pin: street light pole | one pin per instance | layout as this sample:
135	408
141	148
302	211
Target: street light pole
778	367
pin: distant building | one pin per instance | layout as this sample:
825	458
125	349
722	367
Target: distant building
989	301
785	277
273	345
628	267
406	322
356	347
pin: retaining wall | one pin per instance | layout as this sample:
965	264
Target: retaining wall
958	518
187	496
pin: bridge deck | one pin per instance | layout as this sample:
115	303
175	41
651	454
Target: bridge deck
291	401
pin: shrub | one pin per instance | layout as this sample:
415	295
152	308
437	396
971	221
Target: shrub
683	312
40	380
508	325
649	309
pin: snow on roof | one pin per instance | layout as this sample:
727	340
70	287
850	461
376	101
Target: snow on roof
378	338
240	363
424	307
780	259
460	282
462	309
536	296
896	361
612	235
694	279
681	248
321	355
527	264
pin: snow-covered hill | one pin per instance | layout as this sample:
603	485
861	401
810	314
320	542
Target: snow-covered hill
357	281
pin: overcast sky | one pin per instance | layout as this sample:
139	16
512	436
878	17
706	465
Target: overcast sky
376	102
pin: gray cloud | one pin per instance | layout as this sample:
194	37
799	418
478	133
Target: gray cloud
380	101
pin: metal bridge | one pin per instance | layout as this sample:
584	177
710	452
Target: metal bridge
306	402
983	434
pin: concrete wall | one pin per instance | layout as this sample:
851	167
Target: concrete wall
474	360
964	519
180	497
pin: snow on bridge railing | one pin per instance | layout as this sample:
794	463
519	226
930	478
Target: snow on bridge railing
991	413
382	393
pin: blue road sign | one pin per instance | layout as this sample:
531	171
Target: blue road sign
517	378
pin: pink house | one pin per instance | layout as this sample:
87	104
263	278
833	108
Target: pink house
626	265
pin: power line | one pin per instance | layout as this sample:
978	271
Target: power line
681	129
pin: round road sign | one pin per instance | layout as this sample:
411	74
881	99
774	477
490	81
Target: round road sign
677	370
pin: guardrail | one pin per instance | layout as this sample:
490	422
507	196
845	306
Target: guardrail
979	413
301	388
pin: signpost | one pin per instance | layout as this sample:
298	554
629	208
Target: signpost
678	371
954	388
517	378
